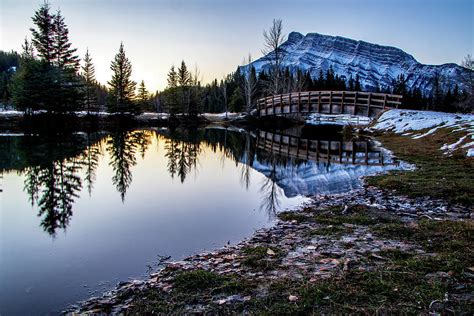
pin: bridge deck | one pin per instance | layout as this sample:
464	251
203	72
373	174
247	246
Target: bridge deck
328	102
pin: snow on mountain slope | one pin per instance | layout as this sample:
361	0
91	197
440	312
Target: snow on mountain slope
376	65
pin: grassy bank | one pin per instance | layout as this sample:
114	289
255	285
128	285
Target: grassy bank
437	174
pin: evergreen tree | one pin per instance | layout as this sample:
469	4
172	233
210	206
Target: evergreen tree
437	96
357	86
88	74
237	102
57	73
29	86
68	97
143	97
28	51
172	98
320	83
400	85
309	86
43	36
64	55
351	83
122	92
183	83
330	79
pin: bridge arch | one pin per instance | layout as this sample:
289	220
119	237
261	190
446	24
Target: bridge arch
328	102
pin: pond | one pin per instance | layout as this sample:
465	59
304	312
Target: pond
81	212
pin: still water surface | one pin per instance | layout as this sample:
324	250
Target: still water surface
81	212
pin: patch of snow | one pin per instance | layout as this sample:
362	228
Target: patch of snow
6	113
407	122
223	115
338	119
450	148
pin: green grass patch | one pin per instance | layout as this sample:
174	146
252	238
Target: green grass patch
190	288
357	292
262	257
437	175
289	216
197	281
450	241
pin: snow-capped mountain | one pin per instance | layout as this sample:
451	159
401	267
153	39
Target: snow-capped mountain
376	65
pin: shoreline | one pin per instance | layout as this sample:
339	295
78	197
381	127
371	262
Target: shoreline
286	251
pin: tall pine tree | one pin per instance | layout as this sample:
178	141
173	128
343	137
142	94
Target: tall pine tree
122	87
88	75
143	97
64	55
43	35
172	99
55	71
184	79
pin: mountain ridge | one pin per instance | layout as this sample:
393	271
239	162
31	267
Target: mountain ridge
377	65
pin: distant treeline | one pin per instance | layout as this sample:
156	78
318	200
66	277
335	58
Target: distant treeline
48	76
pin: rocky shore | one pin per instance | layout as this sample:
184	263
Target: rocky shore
317	248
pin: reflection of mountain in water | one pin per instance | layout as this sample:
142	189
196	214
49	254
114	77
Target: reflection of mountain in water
311	178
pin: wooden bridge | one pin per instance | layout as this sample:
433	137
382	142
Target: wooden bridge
329	151
328	102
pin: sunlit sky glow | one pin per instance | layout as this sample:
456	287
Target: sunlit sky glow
217	34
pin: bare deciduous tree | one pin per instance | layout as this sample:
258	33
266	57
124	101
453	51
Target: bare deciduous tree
223	88
273	38
196	79
249	84
468	62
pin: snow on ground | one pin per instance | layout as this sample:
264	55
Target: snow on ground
412	123
9	113
338	119
221	116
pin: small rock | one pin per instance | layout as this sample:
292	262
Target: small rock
270	252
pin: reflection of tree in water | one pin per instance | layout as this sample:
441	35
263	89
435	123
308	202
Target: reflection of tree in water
53	187
182	157
271	192
122	147
90	158
247	161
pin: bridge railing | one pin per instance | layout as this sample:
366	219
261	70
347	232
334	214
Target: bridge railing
328	151
328	102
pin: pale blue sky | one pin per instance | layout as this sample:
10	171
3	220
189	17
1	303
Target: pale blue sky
218	34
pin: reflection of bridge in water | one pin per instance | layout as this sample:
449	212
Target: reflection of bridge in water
328	102
357	152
